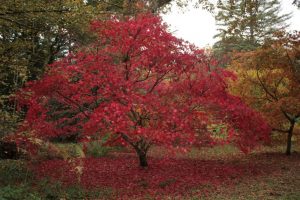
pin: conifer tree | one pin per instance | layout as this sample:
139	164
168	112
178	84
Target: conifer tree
245	24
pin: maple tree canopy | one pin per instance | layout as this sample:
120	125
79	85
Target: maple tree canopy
141	86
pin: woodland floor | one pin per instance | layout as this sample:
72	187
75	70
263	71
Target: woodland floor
218	174
210	173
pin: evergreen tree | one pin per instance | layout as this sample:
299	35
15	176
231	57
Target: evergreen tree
245	24
296	3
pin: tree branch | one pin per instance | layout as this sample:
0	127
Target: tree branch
286	115
17	23
18	12
280	130
127	139
75	103
264	87
158	80
112	4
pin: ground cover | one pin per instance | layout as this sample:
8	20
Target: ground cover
210	173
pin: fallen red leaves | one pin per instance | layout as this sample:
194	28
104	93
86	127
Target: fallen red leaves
174	177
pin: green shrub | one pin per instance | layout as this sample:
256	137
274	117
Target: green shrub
55	190
96	149
14	171
77	192
48	151
18	192
70	150
50	190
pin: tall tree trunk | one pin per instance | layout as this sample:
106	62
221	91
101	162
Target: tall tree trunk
289	139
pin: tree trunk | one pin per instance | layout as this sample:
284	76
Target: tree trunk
141	148
143	158
289	139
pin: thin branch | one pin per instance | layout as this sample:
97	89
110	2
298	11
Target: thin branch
18	12
286	115
277	85
264	87
145	78
127	139
280	130
75	103
17	23
127	57
158	80
113	4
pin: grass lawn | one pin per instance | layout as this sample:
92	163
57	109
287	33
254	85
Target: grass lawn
207	173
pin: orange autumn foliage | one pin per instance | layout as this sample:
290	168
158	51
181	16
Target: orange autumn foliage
269	81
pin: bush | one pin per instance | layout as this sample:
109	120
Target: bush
50	189
96	149
14	171
70	150
48	151
51	151
55	190
18	192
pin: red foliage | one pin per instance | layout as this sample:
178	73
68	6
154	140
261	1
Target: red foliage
177	177
143	86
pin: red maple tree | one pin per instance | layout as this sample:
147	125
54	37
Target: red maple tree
141	86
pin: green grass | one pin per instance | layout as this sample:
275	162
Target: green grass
218	152
206	153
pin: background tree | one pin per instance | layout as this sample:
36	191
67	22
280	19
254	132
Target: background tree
269	81
34	34
245	24
141	86
296	3
132	7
